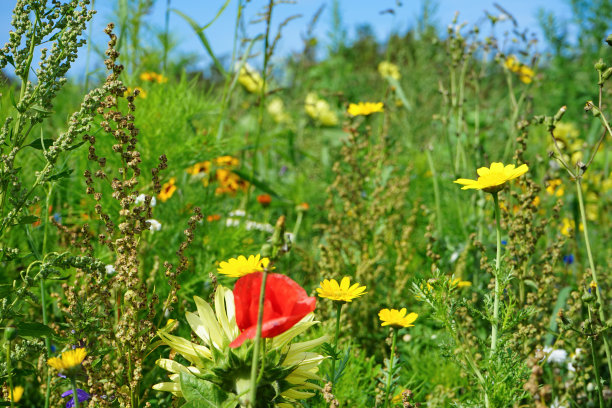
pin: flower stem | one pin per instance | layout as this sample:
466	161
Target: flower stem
497	268
587	244
262	294
596	365
390	373
333	367
75	396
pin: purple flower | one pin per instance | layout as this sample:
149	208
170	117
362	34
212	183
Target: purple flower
568	259
81	395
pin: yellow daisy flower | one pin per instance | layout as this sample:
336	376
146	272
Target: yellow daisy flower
16	393
397	318
68	360
342	293
364	108
238	267
167	190
493	179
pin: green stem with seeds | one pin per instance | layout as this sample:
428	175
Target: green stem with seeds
587	244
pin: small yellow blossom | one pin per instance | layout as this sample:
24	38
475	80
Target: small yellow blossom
493	179
16	393
68	360
457	282
554	187
276	109
167	190
343	292
388	69
319	110
397	318
153	77
202	167
130	91
525	73
238	267
365	108
250	79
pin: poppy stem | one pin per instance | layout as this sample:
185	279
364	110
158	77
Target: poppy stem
335	357
256	347
497	267
75	396
390	372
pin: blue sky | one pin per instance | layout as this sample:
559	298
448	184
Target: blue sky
354	13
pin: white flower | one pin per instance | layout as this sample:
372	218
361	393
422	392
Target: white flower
237	213
555	355
154	225
232	222
141	199
110	269
557	404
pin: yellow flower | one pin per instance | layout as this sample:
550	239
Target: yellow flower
526	74
276	109
365	108
567	226
250	79
236	268
397	318
512	63
16	393
319	110
167	190
457	282
227	161
202	167
551	187
68	360
342	293
388	69
153	77
493	179
130	91
216	329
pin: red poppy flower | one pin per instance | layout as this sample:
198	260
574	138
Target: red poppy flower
285	304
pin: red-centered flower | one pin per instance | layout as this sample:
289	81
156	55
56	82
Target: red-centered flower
285	304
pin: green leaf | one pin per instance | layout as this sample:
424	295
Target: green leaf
202	393
42	110
561	299
27	219
34	330
76	145
62	174
5	290
203	40
257	183
38	143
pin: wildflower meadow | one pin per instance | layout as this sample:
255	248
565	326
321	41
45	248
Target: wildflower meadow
419	220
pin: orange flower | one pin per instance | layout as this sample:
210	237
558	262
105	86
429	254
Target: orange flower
213	217
264	200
